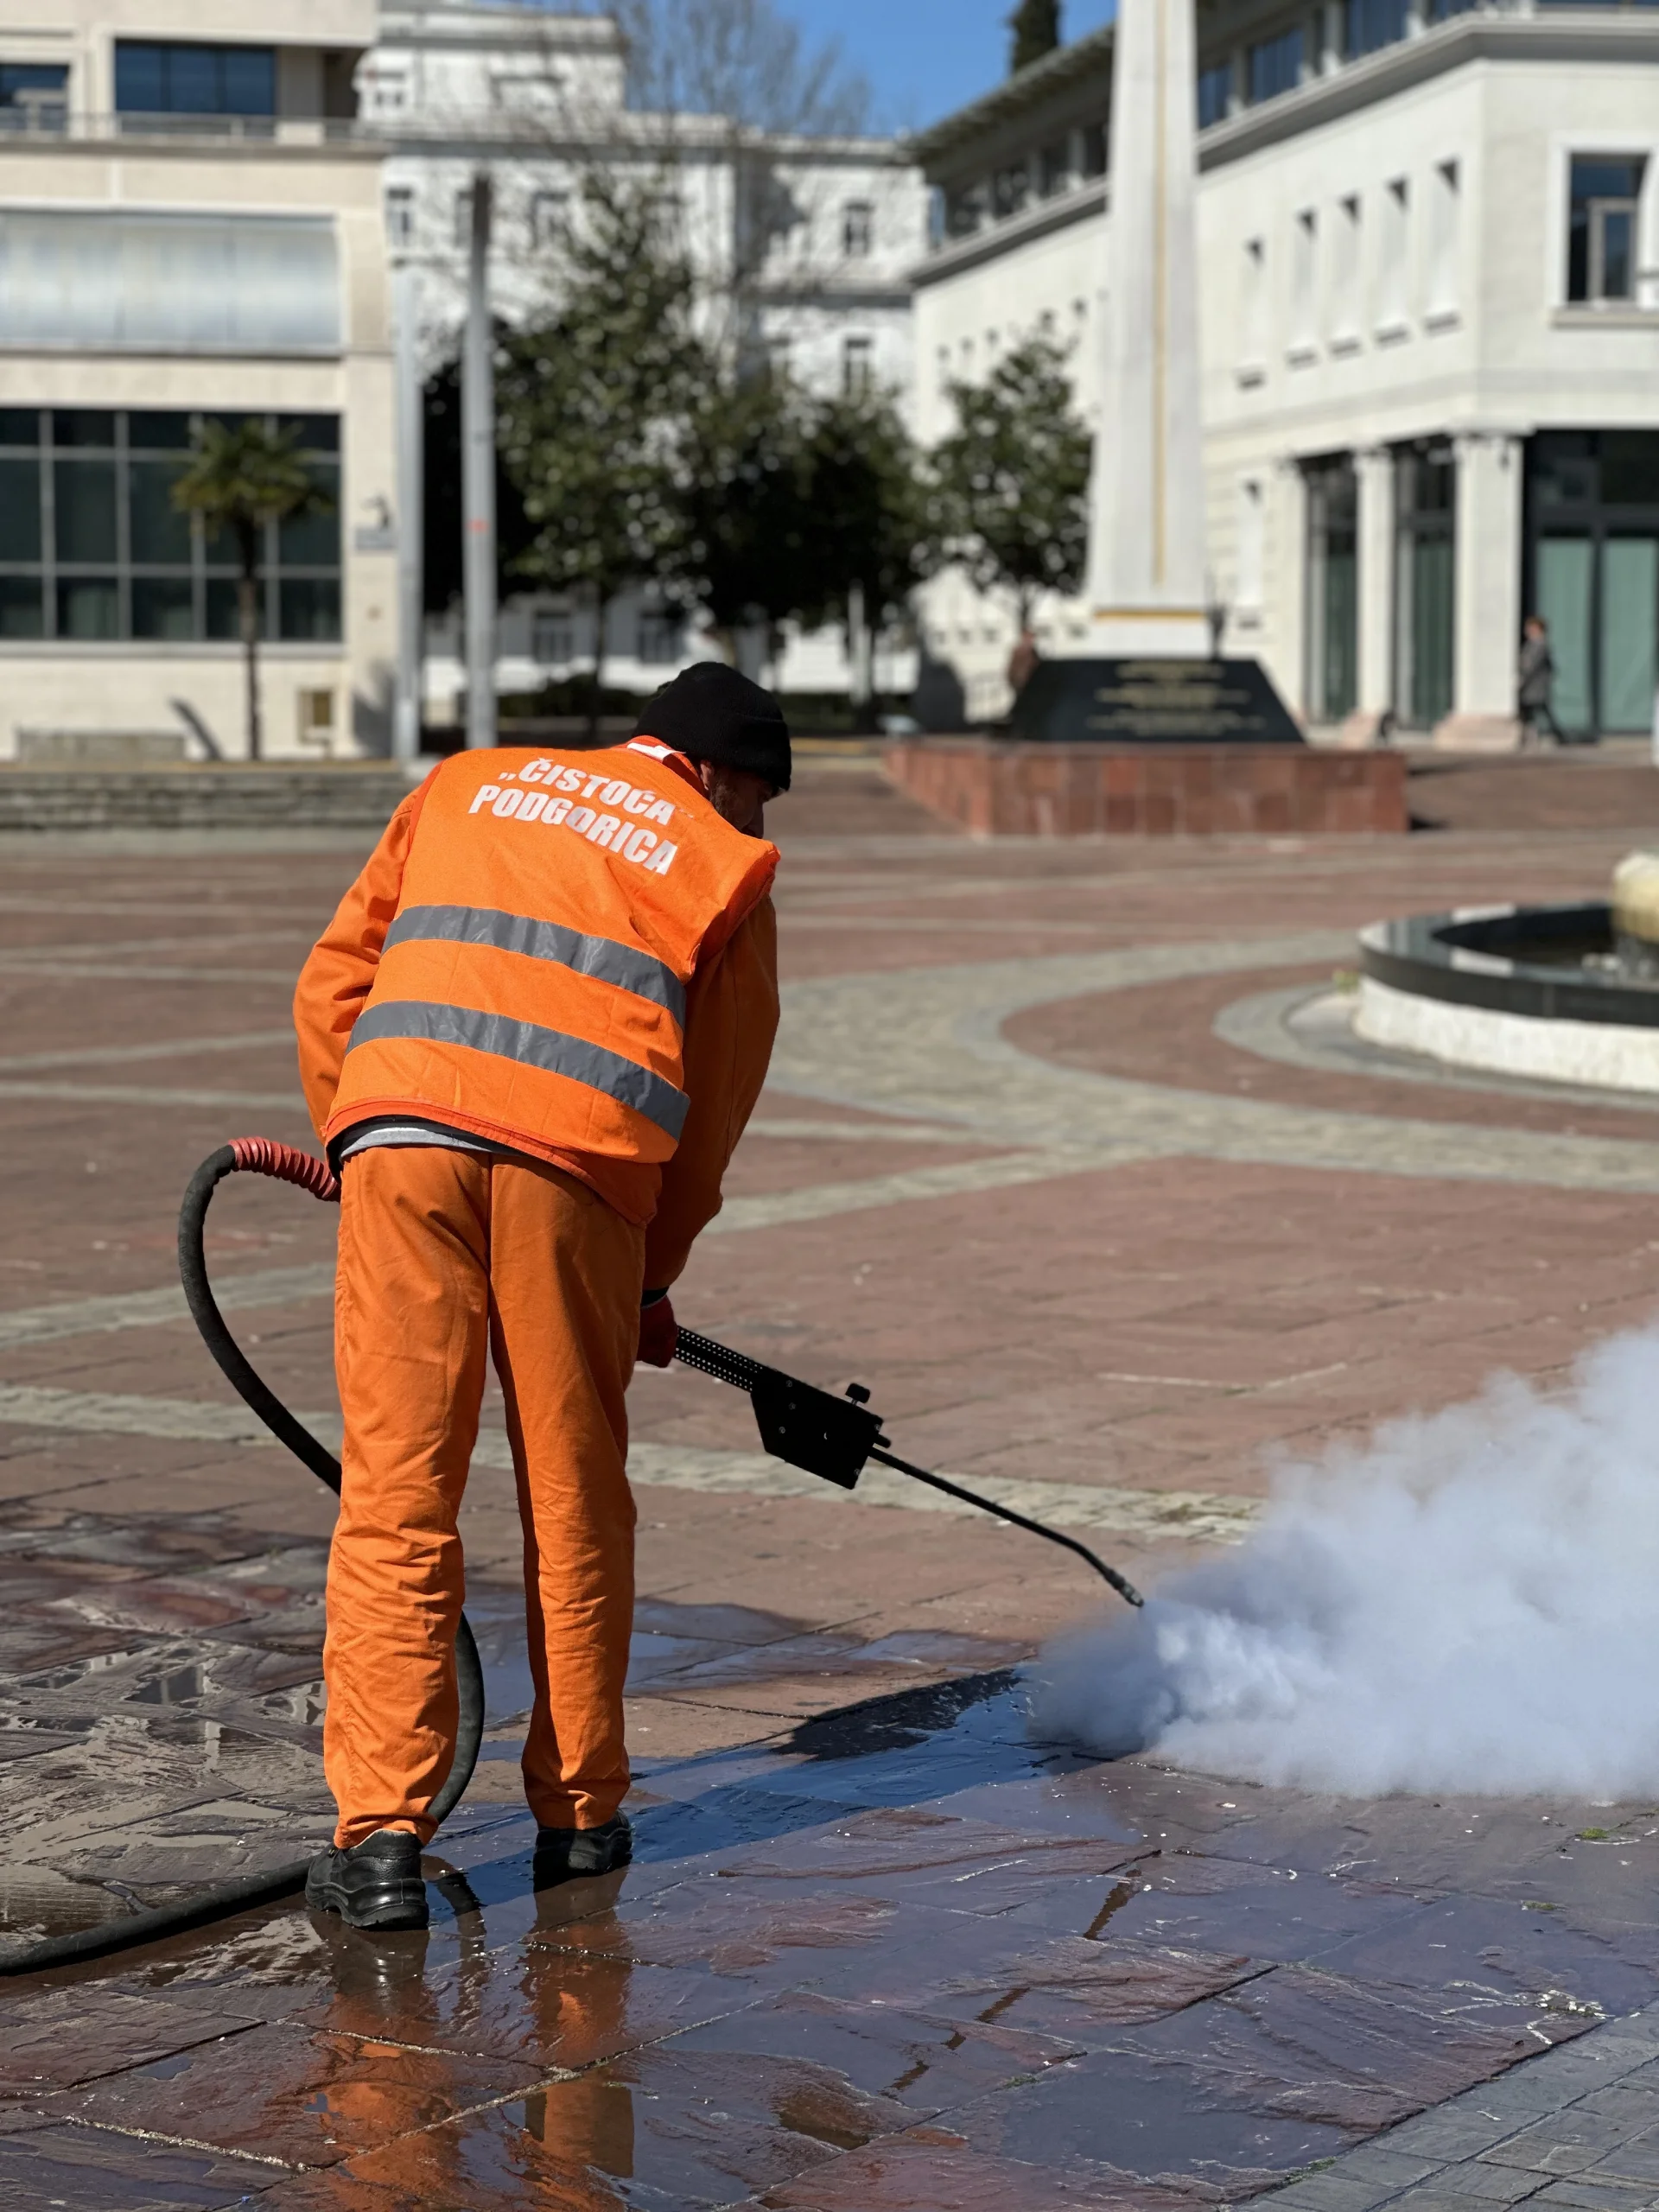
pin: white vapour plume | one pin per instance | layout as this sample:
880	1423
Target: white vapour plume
1469	1602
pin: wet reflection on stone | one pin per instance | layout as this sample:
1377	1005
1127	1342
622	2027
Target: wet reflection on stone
899	1957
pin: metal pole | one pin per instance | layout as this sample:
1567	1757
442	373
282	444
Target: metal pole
478	476
410	403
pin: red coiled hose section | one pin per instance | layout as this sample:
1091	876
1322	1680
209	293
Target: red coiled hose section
265	1156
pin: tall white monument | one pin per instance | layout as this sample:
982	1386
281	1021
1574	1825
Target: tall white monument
1146	582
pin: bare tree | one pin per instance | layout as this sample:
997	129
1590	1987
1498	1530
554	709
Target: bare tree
743	60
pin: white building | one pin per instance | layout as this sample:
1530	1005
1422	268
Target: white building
812	241
1428	246
190	225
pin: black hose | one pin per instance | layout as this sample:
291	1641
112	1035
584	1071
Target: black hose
227	1897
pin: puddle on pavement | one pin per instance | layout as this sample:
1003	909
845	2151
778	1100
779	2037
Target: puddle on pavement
904	1906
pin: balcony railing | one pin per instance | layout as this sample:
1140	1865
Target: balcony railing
40	120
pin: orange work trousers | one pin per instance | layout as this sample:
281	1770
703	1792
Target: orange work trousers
444	1255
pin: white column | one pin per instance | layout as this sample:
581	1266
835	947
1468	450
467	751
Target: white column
478	476
409	402
1374	475
1285	592
1146	582
1487	616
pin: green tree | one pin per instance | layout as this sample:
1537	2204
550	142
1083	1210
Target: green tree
868	517
241	480
1010	484
746	551
798	508
594	399
1035	25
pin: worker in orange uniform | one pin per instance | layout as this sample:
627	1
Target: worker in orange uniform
530	1038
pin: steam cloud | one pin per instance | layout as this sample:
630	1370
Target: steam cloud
1469	1602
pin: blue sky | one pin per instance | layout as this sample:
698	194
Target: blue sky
925	57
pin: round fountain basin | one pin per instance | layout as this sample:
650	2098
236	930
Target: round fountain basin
1533	991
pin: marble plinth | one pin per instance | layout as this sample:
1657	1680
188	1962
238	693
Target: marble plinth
996	788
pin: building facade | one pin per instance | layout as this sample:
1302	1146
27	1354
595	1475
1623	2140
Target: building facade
191	227
806	245
1428	245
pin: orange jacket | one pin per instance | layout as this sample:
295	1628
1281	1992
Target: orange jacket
510	962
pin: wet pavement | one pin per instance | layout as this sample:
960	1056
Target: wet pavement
903	1959
1020	1173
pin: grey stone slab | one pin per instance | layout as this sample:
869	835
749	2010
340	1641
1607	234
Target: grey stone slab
1636	2159
1578	2193
1461	2129
1560	2143
1443	2195
1334	2190
1493	2185
1631	2107
1382	2162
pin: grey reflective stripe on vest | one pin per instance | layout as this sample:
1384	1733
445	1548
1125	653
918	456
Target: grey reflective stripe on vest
530	1046
598	957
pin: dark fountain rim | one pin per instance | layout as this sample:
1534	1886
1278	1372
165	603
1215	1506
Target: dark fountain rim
1476	956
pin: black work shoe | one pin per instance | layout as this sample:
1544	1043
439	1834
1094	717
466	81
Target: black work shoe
376	1884
562	1854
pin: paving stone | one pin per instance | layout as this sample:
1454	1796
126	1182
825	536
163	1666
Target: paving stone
1562	2144
820	1946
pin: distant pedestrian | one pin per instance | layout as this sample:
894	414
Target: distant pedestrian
1023	661
1536	676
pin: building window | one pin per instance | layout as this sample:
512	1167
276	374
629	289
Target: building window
1009	190
1054	168
92	548
1252	534
1601	226
1445	208
1215	93
1253	316
964	210
1333	590
858	364
1369	24
389	95
1592	572
662	631
1346	265
1274	65
1304	283
548	212
1441	11
1425	507
553	636
180	80
34	96
400	215
857	230
1394	260
1092	150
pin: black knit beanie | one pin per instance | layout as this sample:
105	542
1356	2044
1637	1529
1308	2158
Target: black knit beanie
709	712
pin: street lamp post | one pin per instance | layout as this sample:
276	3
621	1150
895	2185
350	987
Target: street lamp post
478	475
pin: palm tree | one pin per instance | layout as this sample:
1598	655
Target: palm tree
241	481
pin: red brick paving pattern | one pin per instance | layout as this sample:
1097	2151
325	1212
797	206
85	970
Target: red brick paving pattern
1166	1323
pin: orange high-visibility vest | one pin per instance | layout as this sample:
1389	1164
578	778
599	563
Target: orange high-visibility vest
532	984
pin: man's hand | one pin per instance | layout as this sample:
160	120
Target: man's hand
658	1333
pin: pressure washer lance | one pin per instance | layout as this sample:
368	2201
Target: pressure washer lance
808	1428
837	1437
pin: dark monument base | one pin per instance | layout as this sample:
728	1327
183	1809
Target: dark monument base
1151	703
